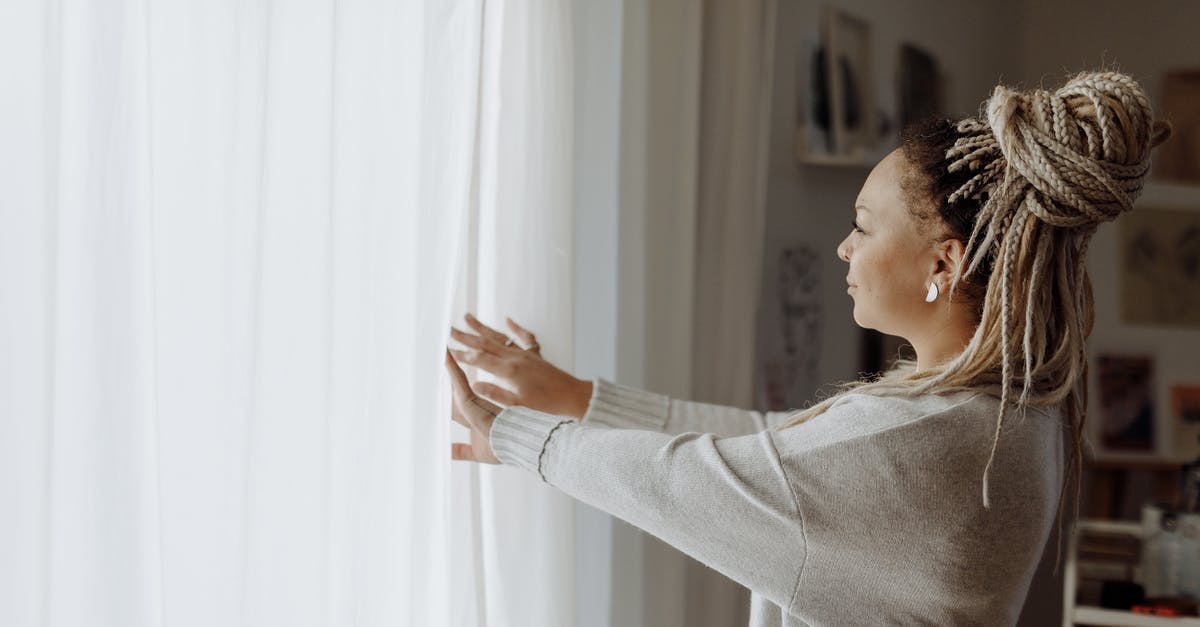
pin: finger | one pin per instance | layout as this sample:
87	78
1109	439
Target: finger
458	379
495	393
526	336
485	330
480	359
462	451
474	341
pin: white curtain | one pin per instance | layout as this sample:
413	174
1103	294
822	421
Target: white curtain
519	263
228	237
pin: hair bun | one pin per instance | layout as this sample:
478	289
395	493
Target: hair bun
1084	149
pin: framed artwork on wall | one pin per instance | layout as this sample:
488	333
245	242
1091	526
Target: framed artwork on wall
1125	423
1160	267
1185	414
1178	160
919	85
788	377
838	123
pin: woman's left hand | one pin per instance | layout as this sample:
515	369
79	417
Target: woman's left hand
473	412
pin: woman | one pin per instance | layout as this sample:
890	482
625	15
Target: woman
925	496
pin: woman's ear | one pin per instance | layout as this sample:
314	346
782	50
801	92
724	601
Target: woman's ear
950	253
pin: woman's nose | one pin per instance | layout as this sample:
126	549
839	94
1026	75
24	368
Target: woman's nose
843	252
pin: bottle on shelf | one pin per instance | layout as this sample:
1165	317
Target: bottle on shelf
1160	563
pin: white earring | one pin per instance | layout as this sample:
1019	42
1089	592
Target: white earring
933	293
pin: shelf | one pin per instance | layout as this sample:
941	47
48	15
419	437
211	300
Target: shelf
1101	616
862	159
1114	527
1089	615
1135	462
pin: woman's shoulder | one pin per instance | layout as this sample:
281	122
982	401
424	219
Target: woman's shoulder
988	397
859	414
856	415
910	405
957	416
974	399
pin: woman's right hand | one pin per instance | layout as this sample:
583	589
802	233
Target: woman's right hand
525	378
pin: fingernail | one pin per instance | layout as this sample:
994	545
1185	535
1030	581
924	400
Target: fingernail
469	316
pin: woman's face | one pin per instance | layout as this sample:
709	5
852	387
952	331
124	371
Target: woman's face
892	260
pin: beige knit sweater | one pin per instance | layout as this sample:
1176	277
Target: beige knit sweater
869	514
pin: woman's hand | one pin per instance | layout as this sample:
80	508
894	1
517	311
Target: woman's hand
475	413
528	380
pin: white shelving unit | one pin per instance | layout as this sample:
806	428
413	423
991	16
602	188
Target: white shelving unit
1088	615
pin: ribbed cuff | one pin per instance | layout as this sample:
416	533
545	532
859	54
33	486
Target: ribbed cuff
519	436
625	407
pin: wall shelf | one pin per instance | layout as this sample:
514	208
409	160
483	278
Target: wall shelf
1088	615
1074	614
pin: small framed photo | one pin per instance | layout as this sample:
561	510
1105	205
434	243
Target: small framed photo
1126	424
1185	414
838	121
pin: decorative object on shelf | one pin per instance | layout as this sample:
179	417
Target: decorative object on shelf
919	85
1170	559
1160	267
791	379
1121	595
838	121
1126	397
1178	159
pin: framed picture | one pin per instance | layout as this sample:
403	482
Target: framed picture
1185	413
1176	159
919	85
1160	267
838	122
1126	421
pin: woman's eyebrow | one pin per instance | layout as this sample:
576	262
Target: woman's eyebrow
862	207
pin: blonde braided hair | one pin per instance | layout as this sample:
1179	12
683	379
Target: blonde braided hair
1036	174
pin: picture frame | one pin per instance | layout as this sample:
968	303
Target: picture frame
1160	267
1126	421
838	122
1175	160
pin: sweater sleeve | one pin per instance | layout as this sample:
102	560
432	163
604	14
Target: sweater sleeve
626	407
724	501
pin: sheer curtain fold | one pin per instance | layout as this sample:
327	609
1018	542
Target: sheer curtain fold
731	212
228	244
524	269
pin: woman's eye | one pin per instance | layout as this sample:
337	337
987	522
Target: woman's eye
856	226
